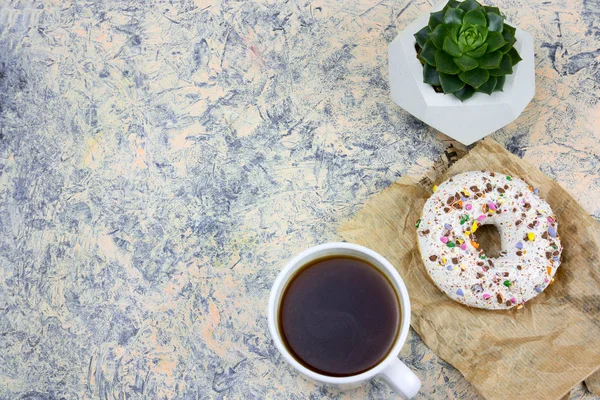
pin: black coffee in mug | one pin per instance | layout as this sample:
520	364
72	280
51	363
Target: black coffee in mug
339	316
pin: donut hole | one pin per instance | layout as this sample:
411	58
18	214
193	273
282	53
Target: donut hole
488	237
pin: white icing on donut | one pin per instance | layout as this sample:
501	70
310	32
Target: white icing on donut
528	229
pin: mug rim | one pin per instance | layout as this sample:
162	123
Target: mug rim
399	288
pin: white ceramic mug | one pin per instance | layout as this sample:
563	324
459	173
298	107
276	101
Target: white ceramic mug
391	369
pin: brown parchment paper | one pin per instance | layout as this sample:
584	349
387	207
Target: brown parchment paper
538	352
593	383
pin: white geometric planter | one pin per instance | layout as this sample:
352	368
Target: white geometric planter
466	121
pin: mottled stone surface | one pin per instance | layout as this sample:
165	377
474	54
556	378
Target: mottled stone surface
159	162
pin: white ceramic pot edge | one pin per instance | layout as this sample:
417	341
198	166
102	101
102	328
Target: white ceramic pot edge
400	378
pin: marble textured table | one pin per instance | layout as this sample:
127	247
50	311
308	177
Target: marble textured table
159	162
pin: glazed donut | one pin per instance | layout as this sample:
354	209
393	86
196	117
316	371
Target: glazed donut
448	243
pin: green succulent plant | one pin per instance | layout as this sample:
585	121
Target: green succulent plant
467	48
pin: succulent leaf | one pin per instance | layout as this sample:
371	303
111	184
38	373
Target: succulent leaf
453	16
505	67
510	41
431	75
435	19
468	5
475	77
451	83
467	48
427	54
490	60
454	29
510	29
465	93
488	87
451	4
422	36
451	47
495	41
494	10
466	63
483	31
445	63
479	52
500	83
438	35
495	22
514	56
475	17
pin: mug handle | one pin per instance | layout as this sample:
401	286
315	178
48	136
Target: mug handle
401	379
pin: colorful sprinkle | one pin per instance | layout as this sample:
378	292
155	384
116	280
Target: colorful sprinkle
546	280
536	191
464	219
449	267
549	270
482	256
444	239
556	258
475	244
492	206
552	231
507	283
460	292
508	177
486	296
538	288
451	244
447	226
531	236
434	188
519	245
444	260
463	246
513	300
474	226
417	224
481	218
468	207
550	220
